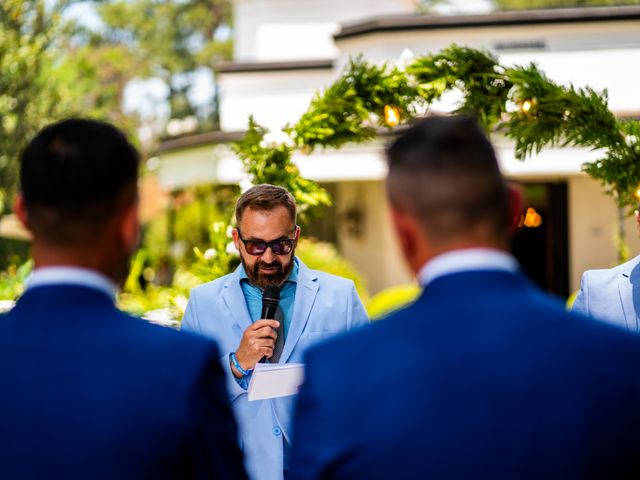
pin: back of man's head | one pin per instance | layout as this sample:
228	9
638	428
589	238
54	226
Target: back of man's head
443	171
75	176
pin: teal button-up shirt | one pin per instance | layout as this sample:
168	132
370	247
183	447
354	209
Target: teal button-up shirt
253	296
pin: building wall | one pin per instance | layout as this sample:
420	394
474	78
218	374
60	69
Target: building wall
601	55
201	165
375	253
273	98
592	229
268	30
357	172
506	39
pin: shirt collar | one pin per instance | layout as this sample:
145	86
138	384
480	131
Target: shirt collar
47	276
465	260
293	275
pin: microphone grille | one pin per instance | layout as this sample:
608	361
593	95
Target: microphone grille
271	292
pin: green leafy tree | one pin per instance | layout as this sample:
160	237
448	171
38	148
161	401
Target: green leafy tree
266	157
428	6
47	74
29	98
171	40
94	74
520	102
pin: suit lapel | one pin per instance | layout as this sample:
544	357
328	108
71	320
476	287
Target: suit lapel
625	289
626	300
235	302
306	291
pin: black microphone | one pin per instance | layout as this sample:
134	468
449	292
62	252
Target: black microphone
270	300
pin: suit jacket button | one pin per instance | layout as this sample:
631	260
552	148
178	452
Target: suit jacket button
277	431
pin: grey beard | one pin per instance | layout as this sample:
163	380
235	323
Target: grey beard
272	279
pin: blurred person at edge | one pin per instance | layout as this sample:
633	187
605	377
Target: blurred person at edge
484	376
313	306
88	391
612	294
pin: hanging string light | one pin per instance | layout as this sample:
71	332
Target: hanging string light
391	115
532	219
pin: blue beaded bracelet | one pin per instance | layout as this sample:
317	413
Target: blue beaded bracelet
234	360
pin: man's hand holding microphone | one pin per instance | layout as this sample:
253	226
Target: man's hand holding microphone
259	339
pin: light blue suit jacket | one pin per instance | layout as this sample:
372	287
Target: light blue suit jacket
612	295
325	305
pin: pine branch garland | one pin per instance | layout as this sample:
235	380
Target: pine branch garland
521	101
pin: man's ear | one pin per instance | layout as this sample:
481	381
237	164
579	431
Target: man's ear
516	201
236	238
130	227
405	233
20	210
297	234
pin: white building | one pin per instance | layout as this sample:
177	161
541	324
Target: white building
286	50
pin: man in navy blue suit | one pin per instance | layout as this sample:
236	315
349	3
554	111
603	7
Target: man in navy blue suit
484	376
87	391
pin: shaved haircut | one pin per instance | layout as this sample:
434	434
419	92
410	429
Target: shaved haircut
444	171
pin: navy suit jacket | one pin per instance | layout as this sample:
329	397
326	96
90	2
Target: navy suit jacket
482	377
89	392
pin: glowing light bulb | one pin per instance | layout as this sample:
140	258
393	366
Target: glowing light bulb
532	219
391	115
526	106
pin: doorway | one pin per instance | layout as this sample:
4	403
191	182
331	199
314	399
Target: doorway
540	243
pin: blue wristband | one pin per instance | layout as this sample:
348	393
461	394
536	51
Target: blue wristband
234	360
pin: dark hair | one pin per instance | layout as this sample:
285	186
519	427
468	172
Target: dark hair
445	172
266	197
75	175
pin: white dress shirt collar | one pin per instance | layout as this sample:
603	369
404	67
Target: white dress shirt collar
466	260
47	276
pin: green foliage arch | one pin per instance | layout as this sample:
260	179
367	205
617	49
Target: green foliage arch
520	102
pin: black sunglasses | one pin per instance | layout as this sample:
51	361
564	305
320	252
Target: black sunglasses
278	247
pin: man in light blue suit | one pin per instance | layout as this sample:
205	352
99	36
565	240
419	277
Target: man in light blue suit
612	294
484	376
313	306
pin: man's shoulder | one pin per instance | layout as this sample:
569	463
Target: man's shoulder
212	286
160	337
348	345
339	349
114	330
576	337
341	361
603	279
606	275
166	352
